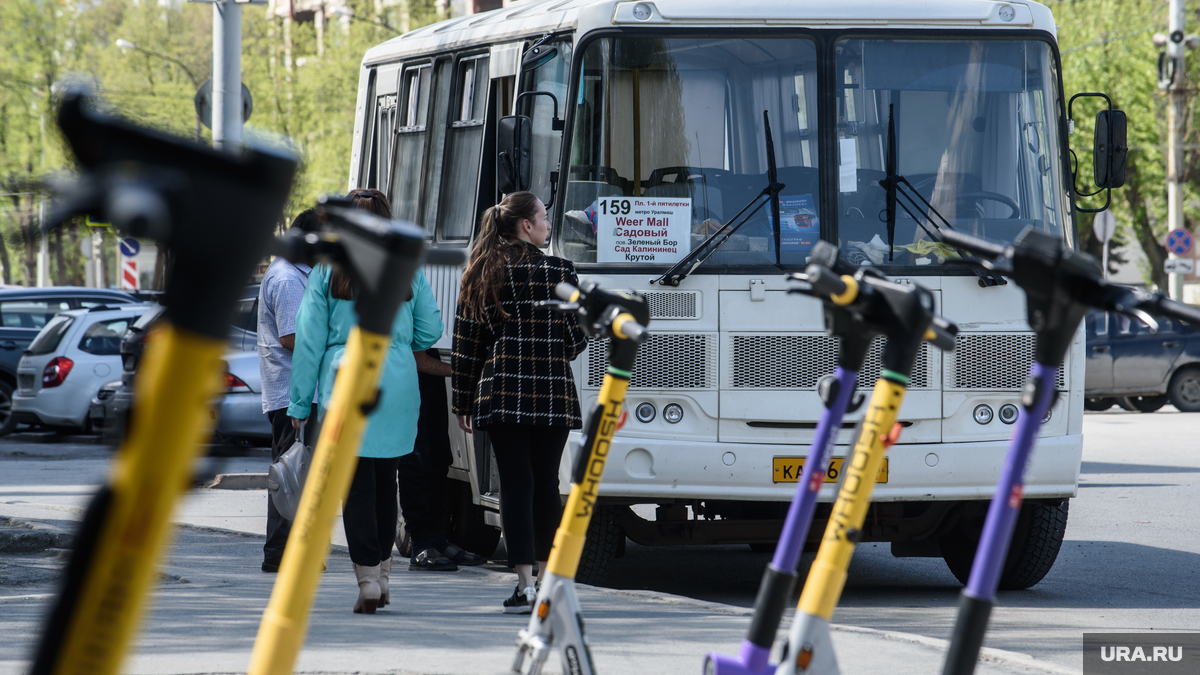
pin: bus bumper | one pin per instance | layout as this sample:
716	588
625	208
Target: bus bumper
648	471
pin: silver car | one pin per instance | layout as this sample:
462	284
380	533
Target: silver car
75	353
239	412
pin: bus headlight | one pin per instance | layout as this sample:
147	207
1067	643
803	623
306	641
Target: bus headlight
983	413
673	413
1008	413
645	412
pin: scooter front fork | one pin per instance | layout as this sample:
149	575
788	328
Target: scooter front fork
810	648
557	623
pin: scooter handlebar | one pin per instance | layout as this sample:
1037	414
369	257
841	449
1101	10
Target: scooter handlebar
1176	310
825	281
630	329
973	244
941	334
565	291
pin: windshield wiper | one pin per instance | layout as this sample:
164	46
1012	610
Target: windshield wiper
695	257
898	186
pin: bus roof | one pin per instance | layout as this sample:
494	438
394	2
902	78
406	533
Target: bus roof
536	17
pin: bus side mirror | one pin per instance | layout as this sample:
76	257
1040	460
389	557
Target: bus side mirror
1110	149
514	135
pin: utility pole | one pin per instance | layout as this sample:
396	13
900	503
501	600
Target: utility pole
227	75
1172	77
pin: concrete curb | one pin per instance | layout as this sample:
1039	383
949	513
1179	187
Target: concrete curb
239	481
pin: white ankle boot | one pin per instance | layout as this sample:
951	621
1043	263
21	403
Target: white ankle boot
368	589
385	570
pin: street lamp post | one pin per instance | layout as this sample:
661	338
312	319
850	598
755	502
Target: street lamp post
126	44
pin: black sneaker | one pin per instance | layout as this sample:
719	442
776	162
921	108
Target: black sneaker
521	601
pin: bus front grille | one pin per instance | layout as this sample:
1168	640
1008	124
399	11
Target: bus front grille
992	361
800	361
673	304
665	361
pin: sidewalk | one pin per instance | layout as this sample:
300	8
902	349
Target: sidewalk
207	610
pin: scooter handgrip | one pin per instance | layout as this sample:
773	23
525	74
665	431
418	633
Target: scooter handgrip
825	281
453	257
973	244
1180	311
940	337
635	331
565	291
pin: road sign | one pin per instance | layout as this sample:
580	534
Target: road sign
130	247
129	274
1104	225
203	101
1179	242
1179	266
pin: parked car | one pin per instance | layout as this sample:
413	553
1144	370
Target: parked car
1139	370
23	313
239	413
243	364
75	353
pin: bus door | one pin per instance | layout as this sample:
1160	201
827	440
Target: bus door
541	95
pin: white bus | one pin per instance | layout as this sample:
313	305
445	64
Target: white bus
645	133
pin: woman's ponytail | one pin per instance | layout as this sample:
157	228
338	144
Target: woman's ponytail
484	276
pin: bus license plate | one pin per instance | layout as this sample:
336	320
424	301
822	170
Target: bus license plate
787	470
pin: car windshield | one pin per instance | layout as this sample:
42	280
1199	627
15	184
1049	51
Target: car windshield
52	334
975	134
668	145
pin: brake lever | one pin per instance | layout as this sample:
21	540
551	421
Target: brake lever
1137	313
558	305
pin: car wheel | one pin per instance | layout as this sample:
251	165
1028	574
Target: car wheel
1146	404
1184	391
1099	404
7	421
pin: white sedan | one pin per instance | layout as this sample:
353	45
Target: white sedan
76	353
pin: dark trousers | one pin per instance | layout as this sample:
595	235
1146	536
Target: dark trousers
369	514
527	458
423	482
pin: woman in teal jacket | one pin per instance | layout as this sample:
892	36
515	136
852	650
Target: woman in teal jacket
323	324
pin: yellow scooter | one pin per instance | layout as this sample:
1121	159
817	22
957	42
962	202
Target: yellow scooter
557	620
215	213
382	256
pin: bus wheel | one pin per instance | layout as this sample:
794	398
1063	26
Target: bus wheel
1036	540
467	526
604	539
403	538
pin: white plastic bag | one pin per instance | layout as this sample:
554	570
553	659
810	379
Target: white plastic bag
285	479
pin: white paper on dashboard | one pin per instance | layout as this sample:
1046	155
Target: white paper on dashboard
848	169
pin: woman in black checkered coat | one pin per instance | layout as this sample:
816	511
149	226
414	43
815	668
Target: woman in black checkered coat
512	373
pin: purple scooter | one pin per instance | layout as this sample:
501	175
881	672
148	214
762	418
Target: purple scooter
1060	285
844	320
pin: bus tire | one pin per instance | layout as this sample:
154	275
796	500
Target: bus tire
467	526
1036	541
403	538
604	539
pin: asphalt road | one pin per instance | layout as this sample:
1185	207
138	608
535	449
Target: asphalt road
1130	562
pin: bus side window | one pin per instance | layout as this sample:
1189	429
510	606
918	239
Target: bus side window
464	148
552	77
366	167
412	113
439	115
383	127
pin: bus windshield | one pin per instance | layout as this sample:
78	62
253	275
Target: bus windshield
668	144
976	135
